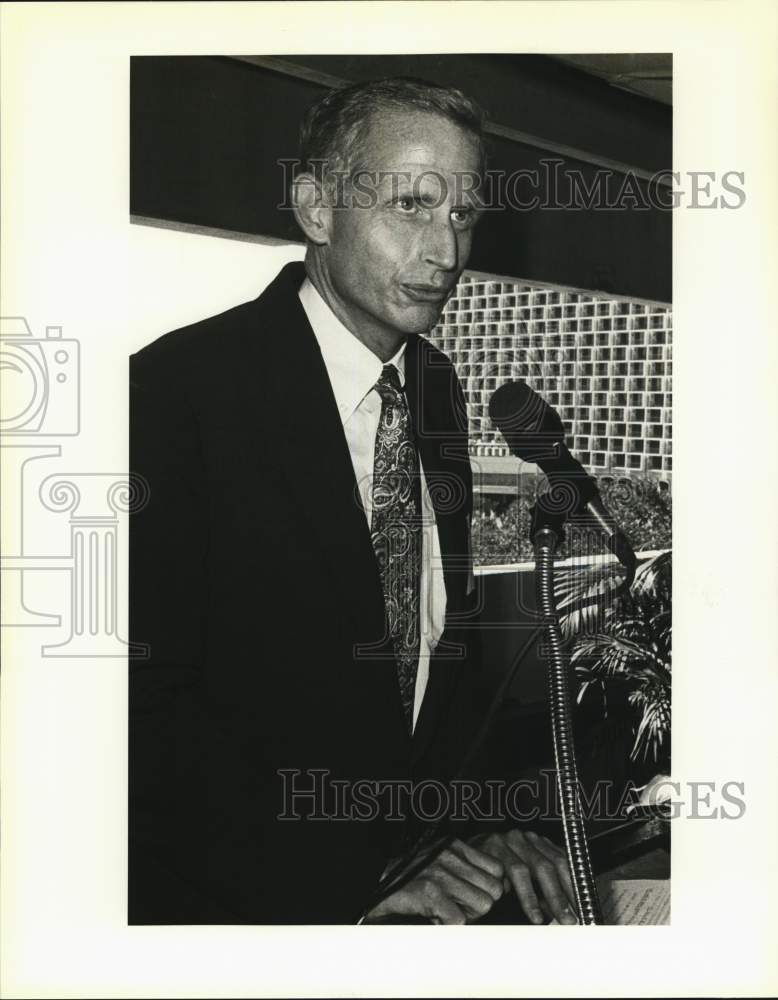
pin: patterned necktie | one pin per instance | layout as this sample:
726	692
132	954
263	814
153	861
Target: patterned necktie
396	530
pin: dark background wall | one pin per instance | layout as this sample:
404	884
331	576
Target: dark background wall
207	132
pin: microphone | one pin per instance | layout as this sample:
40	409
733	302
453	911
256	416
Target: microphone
534	432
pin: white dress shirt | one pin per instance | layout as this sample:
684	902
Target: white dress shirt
353	371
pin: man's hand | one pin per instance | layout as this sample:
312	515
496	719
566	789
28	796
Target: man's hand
461	884
538	871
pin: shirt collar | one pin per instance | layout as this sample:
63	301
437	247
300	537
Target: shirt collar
352	367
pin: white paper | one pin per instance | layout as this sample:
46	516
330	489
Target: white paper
635	902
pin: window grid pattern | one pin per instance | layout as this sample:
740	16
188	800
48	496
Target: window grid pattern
603	362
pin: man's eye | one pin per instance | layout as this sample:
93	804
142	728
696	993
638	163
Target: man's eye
406	203
463	216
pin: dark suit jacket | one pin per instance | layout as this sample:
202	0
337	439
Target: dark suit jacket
253	582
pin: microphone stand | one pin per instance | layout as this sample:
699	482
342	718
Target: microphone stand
547	531
534	432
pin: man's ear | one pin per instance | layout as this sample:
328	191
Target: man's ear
311	208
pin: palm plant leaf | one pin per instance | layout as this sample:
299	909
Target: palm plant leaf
653	580
654	723
623	637
584	594
615	654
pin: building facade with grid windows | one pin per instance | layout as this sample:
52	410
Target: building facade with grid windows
604	362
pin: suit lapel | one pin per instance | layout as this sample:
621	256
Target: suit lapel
427	388
427	399
320	477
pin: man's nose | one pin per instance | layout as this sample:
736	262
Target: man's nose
441	246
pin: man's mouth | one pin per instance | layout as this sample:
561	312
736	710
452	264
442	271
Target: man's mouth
425	293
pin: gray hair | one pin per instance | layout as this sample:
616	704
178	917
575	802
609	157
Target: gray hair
333	130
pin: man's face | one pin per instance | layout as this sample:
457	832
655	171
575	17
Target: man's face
397	250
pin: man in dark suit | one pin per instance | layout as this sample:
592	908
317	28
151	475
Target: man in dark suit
301	573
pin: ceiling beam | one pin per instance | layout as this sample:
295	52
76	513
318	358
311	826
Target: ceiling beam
289	68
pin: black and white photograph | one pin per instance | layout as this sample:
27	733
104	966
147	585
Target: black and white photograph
357	481
344	553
